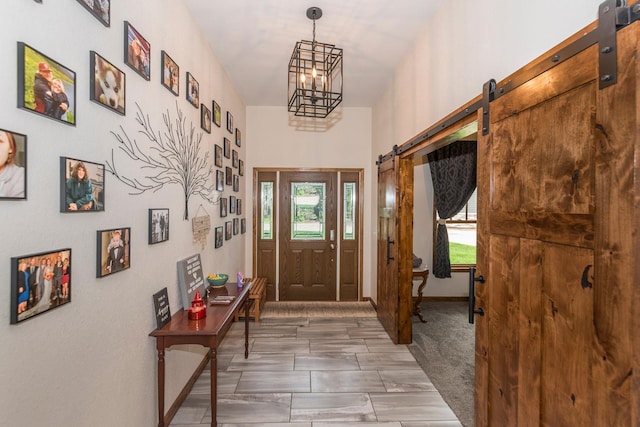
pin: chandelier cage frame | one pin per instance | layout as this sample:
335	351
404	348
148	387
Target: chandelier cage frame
315	76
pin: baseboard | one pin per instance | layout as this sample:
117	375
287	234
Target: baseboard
168	417
375	307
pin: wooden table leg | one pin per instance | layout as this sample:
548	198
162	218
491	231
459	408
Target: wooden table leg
160	387
417	311
246	328
214	386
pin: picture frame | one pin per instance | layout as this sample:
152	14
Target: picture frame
46	288
238	137
137	51
100	9
223	207
239	206
227	230
81	192
229	122
15	165
158	225
227	148
240	167
217	113
107	84
236	226
170	74
217	155
228	176
236	183
113	251
219	237
219	180
193	90
232	204
243	225
205	118
45	86
234	158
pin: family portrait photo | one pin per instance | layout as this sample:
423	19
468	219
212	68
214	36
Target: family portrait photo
158	225
13	165
108	84
113	251
137	51
39	282
101	9
81	186
45	86
193	90
170	74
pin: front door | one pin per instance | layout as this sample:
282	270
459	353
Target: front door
308	236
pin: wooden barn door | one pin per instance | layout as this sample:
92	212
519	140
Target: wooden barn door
395	198
555	194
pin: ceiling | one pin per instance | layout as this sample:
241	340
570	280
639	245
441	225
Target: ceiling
254	39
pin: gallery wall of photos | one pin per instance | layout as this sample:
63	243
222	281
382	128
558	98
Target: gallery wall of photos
48	88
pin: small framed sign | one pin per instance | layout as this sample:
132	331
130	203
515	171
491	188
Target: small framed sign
161	307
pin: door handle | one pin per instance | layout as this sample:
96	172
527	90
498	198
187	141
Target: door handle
389	243
472	295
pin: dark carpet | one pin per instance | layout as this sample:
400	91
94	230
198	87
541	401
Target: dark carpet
444	348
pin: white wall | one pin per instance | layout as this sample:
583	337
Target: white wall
465	44
345	144
91	362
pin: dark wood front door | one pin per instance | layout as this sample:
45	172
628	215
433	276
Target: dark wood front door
308	236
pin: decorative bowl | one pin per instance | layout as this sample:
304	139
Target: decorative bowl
220	281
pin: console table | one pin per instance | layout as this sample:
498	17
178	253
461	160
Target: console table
423	274
207	332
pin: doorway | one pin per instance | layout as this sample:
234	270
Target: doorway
308	238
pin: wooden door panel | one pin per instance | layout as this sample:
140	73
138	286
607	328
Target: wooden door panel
349	275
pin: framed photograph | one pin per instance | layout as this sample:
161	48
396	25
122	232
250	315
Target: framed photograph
217	155
39	282
45	86
108	84
170	74
240	167
239	207
137	51
81	186
223	207
205	118
229	122
193	90
236	183
227	230
219	237
238	137
227	148
228	175
100	9
13	164
158	225
232	204
234	158
243	226
219	180
217	113
113	251
236	226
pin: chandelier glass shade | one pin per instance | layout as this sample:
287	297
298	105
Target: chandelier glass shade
315	75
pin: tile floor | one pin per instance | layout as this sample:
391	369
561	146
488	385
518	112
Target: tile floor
315	372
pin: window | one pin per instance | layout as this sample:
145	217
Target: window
462	235
307	210
266	213
349	211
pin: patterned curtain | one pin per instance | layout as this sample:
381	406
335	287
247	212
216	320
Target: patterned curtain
453	172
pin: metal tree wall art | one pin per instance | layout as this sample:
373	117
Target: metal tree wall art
171	156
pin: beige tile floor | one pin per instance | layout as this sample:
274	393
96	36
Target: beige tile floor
315	372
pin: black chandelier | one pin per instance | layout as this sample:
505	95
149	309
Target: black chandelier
315	75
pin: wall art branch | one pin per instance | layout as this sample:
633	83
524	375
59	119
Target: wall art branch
171	156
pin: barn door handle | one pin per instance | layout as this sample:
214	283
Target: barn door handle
389	243
472	295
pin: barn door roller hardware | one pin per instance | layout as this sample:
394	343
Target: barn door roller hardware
488	95
612	15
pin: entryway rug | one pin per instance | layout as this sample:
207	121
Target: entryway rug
279	309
